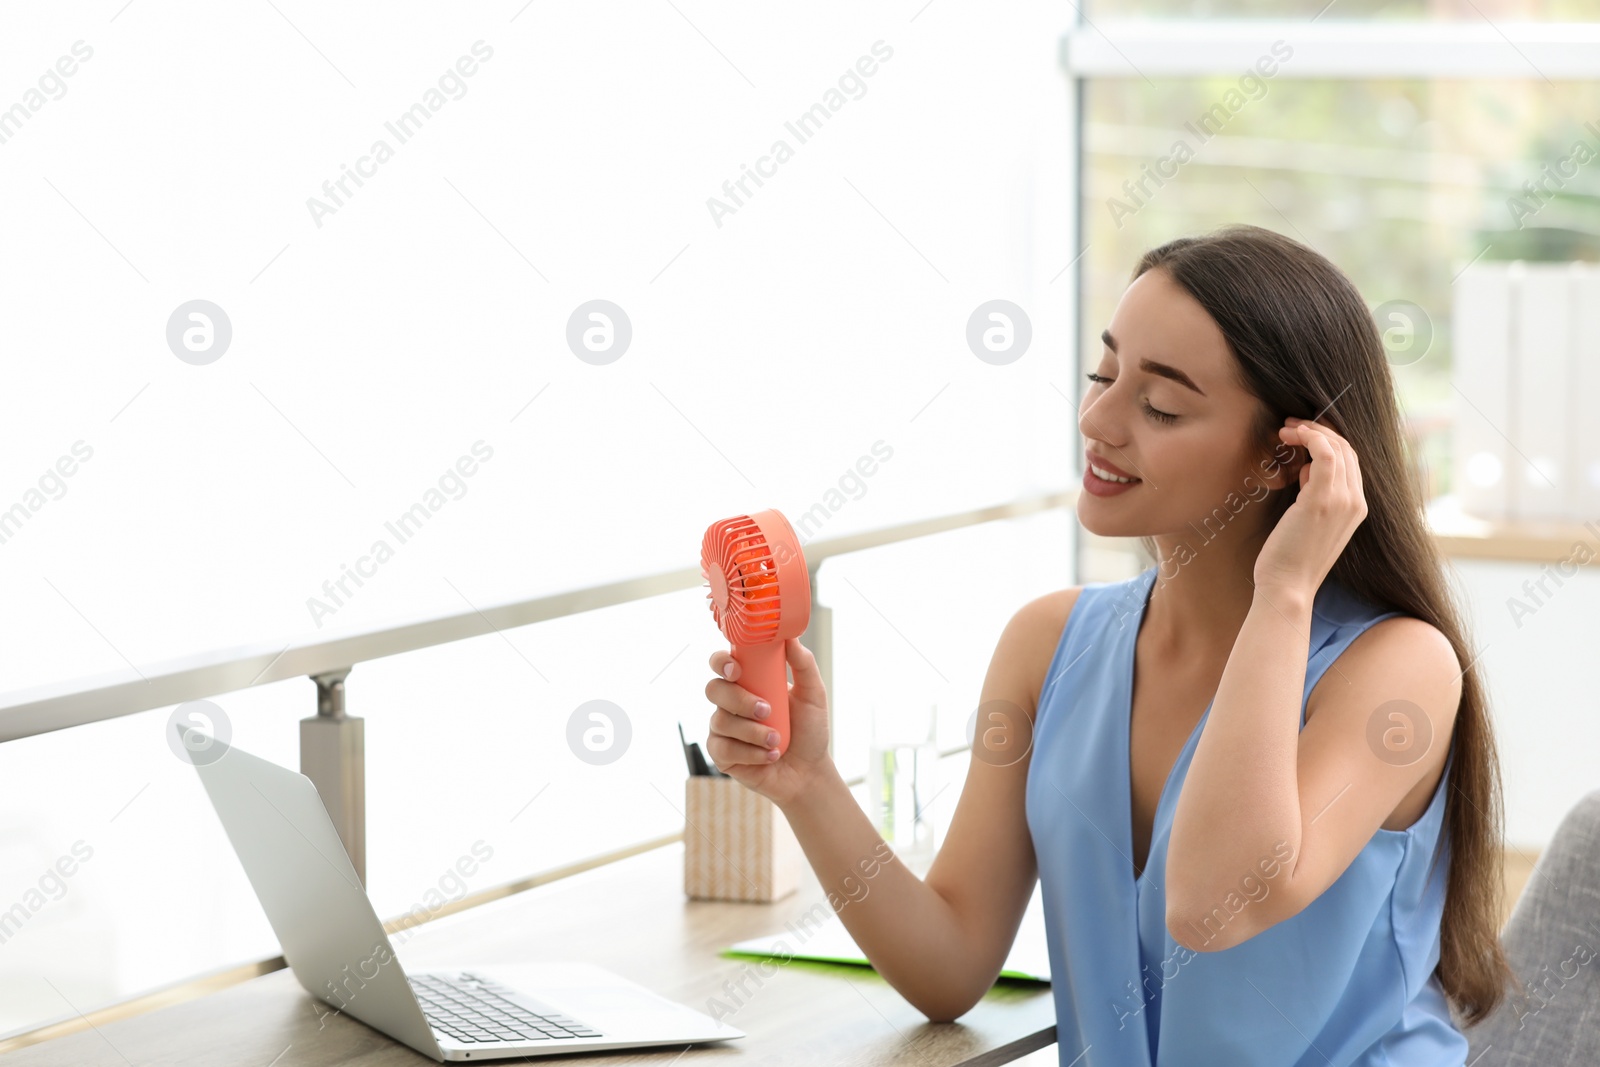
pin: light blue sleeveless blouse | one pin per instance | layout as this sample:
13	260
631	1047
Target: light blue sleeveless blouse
1348	982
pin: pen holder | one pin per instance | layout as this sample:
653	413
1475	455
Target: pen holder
737	845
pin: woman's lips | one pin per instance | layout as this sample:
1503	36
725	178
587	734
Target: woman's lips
1112	467
1098	486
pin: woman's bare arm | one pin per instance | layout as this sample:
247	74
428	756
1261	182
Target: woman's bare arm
941	941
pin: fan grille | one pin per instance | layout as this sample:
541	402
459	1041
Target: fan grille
745	603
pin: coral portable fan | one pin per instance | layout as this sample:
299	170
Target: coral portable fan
760	597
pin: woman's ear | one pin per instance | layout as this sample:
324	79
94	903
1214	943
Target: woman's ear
1281	463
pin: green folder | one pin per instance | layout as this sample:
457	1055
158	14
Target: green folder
829	942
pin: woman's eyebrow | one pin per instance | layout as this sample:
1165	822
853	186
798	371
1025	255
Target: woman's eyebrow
1150	366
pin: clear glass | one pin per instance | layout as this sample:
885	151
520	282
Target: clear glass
222	503
903	776
1401	182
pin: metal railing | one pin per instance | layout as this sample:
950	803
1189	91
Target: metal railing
332	742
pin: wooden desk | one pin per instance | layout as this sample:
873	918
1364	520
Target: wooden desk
630	917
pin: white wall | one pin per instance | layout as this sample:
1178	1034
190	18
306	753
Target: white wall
1544	687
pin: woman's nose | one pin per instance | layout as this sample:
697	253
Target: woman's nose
1097	422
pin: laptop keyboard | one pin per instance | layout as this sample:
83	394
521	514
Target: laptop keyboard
474	1011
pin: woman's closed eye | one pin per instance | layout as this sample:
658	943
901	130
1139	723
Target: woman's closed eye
1159	416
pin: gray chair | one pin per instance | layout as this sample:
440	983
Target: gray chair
1553	943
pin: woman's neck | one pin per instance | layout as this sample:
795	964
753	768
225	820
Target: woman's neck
1203	592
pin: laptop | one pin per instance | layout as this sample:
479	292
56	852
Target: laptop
333	940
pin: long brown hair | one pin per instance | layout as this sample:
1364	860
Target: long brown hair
1306	345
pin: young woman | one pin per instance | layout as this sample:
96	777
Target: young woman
1257	782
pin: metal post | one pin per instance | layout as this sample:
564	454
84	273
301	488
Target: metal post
333	756
819	639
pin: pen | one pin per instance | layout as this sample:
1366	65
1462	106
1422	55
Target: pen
688	754
698	764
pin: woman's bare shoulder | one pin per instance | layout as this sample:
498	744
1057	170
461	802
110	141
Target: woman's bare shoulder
1038	626
1051	610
